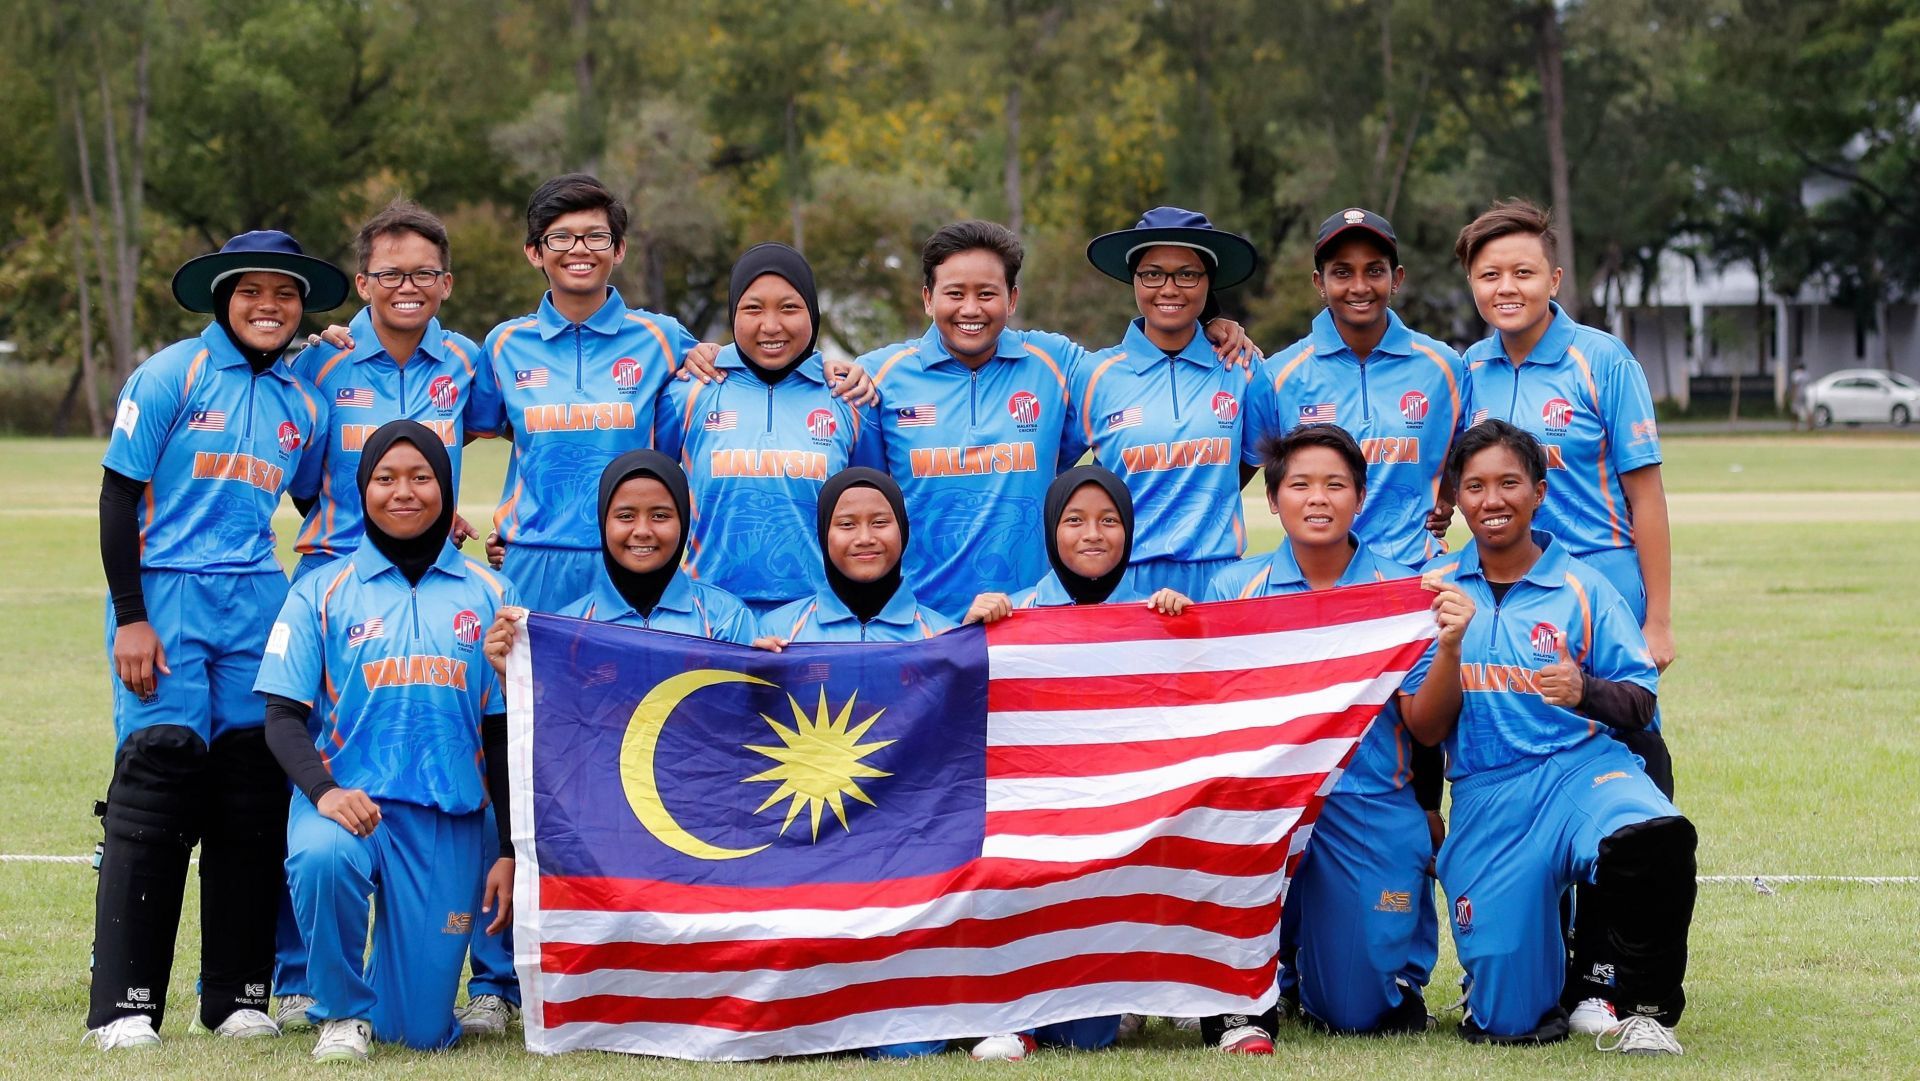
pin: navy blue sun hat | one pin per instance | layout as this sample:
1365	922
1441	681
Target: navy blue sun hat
323	286
1231	254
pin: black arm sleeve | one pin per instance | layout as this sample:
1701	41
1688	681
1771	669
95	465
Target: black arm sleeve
493	744
120	545
1625	706
293	748
1429	775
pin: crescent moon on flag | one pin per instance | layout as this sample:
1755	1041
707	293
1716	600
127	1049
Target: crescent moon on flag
636	762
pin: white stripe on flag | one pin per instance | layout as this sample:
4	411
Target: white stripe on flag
1054	793
1229	654
1130	724
1199	824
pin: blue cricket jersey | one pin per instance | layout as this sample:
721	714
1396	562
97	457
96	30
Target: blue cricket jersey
756	456
1401	403
685	607
1502	716
1383	762
394	673
824	618
577	396
973	453
1172	427
216	445
1049	593
443	386
1584	396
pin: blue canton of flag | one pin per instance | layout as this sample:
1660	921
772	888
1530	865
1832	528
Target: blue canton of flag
721	420
207	420
1130	417
1318	413
354	398
529	378
363	632
915	416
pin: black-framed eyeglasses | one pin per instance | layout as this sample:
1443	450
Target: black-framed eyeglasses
598	240
391	279
1185	279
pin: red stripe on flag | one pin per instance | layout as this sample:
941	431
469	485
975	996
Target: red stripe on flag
585	894
1131	622
747	1015
794	954
1218	793
1105	759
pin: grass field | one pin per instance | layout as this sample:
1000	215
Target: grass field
1791	713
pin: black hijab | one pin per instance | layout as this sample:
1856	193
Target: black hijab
257	359
777	259
413	555
1082	589
863	599
643	589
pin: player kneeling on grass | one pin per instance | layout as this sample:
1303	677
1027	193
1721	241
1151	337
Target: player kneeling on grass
414	728
1544	799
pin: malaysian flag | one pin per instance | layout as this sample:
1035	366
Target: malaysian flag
914	416
207	420
363	632
721	420
527	378
1080	812
1478	416
1318	413
1130	417
354	398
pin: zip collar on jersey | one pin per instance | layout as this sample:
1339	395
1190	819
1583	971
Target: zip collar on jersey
932	349
220	350
812	369
1552	347
367	345
899	610
1146	356
370	563
1050	593
608	320
1548	572
608	605
1329	345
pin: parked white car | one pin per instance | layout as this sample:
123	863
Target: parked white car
1854	395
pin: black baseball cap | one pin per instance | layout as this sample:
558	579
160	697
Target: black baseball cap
1355	219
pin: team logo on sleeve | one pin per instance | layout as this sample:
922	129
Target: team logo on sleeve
466	628
915	416
207	420
1226	407
1319	413
128	418
529	378
1645	431
626	375
1557	414
1119	419
1463	913
353	398
444	392
1546	639
366	632
1413	407
821	425
1024	408
289	437
720	420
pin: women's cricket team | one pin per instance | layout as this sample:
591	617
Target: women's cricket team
758	494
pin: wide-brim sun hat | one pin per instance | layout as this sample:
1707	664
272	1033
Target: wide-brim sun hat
1233	255
323	286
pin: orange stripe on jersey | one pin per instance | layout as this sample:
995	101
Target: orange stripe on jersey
327	367
801	623
686	422
1445	570
1286	370
487	576
1258	581
193	373
1058	375
706	625
504	513
459	352
926	629
1586	618
1453	389
591	609
1086	405
887	364
304	542
326	595
666	350
1600	458
147	494
501	342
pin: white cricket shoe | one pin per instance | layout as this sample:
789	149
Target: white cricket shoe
1639	1035
1246	1039
1006	1047
291	1015
1592	1017
346	1040
124	1033
240	1025
485	1015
